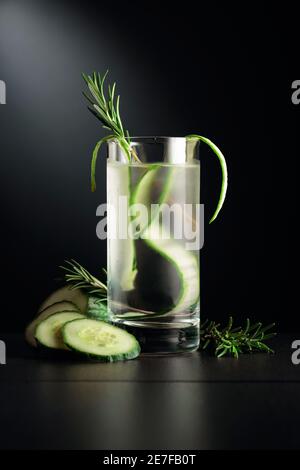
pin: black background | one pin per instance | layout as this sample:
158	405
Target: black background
224	71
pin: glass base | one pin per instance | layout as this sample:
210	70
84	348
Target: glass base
163	339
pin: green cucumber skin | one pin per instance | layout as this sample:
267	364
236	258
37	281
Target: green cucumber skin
175	309
115	358
223	166
66	294
30	329
62	346
132	354
42	347
76	309
151	173
153	167
61	295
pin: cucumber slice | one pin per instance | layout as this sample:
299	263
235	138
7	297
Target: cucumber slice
100	341
143	189
77	296
54	308
48	331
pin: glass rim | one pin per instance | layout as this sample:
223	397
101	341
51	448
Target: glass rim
150	139
181	148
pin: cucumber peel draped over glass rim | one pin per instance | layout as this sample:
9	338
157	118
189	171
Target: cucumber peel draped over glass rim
223	165
106	109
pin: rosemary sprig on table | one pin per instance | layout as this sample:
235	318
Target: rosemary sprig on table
107	109
235	341
226	341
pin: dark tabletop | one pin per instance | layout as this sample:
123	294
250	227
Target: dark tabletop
179	402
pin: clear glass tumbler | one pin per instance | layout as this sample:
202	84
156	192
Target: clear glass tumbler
153	228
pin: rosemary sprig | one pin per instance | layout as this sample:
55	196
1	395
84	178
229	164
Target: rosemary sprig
235	341
80	278
105	105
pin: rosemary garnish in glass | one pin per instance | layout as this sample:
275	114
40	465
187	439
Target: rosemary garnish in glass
107	110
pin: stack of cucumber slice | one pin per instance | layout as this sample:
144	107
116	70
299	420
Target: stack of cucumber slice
69	320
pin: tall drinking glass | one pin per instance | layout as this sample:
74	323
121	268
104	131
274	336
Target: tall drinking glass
153	242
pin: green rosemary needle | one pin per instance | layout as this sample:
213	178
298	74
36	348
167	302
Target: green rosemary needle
229	341
105	105
80	278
